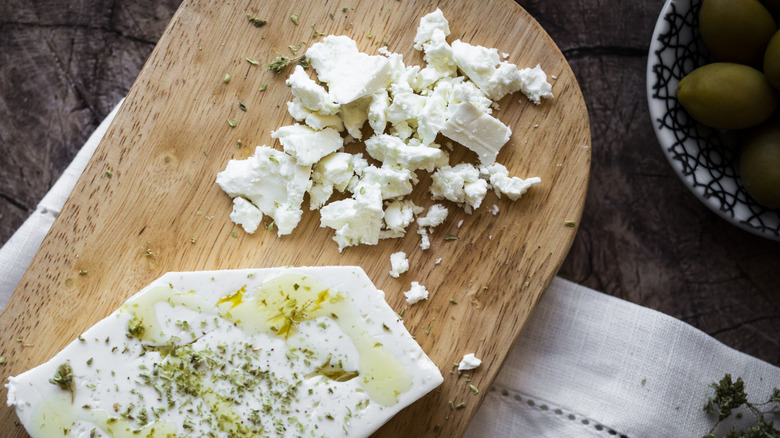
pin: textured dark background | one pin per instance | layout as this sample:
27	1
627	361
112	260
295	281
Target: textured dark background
643	237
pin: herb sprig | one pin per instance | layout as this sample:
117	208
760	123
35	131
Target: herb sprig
730	395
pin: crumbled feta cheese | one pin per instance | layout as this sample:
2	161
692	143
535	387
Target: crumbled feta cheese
393	151
480	132
398	216
357	220
469	362
494	209
393	181
477	62
405	106
513	187
398	264
306	145
425	240
506	79
460	184
413	106
428	24
435	217
273	181
354	115
296	109
438	261
466	91
312	95
401	130
498	78
318	122
416	294
438	57
315	120
377	111
434	113
332	172
534	84
246	214
349	73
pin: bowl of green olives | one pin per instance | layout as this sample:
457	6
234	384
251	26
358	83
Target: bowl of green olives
713	88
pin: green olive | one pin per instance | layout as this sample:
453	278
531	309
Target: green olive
759	163
736	30
772	61
725	95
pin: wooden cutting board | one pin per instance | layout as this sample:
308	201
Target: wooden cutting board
147	202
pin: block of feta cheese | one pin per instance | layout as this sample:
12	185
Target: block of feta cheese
349	73
277	352
273	181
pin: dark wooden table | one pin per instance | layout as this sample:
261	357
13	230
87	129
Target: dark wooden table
643	237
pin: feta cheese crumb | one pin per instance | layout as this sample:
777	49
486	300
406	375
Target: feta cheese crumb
357	220
438	261
332	172
354	115
494	209
398	216
513	187
480	132
425	241
306	145
246	214
460	184
273	181
394	182
349	73
312	95
436	215
428	24
416	294
399	264
534	84
469	362
393	151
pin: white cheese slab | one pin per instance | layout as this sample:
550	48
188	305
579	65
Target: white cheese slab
283	352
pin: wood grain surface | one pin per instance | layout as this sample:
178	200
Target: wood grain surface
149	192
643	236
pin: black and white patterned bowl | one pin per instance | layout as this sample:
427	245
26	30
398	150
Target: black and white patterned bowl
705	159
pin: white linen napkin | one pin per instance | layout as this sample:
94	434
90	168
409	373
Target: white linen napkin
586	364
